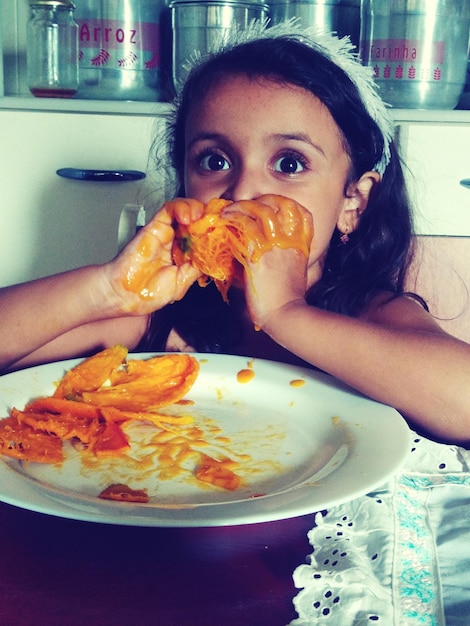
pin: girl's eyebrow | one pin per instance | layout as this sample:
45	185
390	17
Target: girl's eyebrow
205	136
302	137
277	137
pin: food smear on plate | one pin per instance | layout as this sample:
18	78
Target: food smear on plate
219	473
224	242
100	409
245	375
297	382
123	493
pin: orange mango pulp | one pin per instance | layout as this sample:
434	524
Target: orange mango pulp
140	274
91	373
245	375
95	397
149	384
84	408
218	473
220	244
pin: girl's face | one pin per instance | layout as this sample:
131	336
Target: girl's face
253	137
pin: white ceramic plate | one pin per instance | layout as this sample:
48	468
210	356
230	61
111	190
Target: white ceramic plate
301	447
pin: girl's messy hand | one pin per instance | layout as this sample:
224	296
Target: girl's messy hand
278	277
143	276
273	221
276	281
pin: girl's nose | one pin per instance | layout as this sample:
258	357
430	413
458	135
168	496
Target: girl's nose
244	185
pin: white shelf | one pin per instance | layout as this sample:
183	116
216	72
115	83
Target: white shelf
76	105
127	107
430	116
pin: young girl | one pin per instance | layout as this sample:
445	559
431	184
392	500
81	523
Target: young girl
298	118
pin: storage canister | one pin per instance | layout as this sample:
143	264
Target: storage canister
418	50
52	49
199	24
120	54
340	16
464	102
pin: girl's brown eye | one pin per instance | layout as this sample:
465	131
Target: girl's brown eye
288	165
214	163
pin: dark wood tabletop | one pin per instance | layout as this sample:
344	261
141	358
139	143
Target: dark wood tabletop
56	571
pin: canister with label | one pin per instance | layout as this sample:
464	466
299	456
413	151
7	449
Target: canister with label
120	49
418	50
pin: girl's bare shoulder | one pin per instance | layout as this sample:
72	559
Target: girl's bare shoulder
402	311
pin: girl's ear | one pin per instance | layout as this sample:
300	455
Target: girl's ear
356	200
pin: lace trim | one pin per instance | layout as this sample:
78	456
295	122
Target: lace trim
416	580
374	559
343	583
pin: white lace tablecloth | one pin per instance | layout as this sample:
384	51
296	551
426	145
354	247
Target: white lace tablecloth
399	556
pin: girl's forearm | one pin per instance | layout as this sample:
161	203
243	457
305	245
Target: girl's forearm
37	313
77	311
422	372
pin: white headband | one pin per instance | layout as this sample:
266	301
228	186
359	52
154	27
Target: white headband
338	51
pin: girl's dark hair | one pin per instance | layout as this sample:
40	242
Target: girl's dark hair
377	255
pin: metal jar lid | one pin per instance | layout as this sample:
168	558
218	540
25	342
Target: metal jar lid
325	3
67	4
255	3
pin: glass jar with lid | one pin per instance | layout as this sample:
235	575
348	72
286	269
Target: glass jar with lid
52	49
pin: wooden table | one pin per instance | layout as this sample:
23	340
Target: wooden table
56	571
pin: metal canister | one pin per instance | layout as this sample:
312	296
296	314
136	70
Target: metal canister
418	50
198	24
120	50
337	16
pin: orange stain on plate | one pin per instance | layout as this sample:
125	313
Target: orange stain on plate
245	375
297	382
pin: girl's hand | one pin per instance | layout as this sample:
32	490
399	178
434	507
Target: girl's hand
143	277
279	276
276	281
